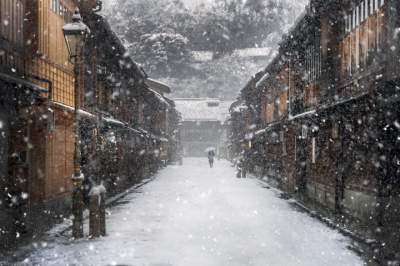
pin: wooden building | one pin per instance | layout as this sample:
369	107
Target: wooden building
118	141
327	112
40	144
203	125
239	124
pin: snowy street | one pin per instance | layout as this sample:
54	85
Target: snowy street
113	112
196	216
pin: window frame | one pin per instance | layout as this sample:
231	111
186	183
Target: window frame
313	150
283	140
371	7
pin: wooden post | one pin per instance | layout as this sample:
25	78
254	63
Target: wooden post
94	216
97	216
102	213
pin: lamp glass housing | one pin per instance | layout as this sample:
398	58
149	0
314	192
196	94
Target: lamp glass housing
75	34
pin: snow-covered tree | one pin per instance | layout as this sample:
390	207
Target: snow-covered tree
161	34
160	53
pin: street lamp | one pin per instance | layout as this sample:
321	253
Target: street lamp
75	34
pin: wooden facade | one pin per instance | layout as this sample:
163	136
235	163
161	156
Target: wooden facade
33	53
12	35
48	60
48	49
37	105
334	145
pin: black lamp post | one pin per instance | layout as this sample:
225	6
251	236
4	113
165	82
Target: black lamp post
75	34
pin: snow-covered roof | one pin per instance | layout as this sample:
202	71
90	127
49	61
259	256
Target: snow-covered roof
72	109
158	85
253	52
261	81
240	108
161	98
114	121
203	109
202	56
311	112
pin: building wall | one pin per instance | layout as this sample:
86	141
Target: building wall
38	140
11	25
364	31
12	39
197	136
340	142
5	215
60	154
50	61
49	52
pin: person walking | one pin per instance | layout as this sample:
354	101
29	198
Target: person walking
211	155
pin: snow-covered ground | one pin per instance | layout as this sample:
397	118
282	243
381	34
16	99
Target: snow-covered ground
192	215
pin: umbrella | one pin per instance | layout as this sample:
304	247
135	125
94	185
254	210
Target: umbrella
210	149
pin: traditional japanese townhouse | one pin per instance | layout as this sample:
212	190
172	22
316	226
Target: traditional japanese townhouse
273	86
49	61
202	125
368	91
133	109
18	118
311	72
124	121
333	143
113	84
239	131
38	79
160	116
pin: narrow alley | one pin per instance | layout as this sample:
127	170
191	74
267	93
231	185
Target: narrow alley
194	215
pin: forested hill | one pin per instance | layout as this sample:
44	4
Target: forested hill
162	35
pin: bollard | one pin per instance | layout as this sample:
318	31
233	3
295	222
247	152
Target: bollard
102	214
77	209
97	215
